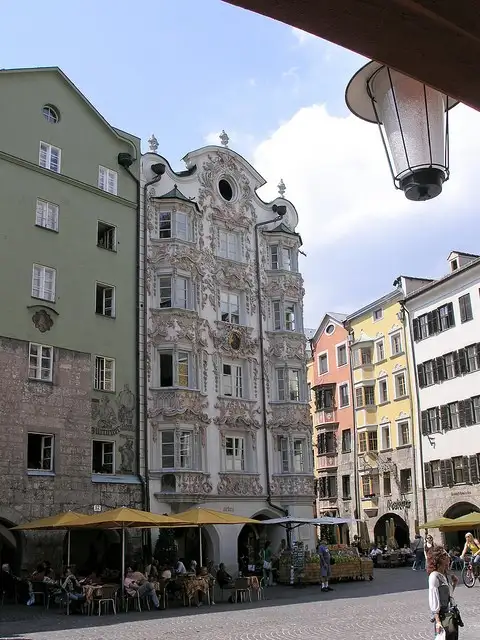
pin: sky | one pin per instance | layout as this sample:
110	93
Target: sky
186	69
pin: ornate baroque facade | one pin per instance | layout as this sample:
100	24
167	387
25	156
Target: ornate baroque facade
205	325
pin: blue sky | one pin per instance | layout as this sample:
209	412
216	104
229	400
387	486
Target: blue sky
185	69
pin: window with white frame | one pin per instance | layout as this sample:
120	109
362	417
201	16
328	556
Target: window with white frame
177	449
46	215
380	350
284	316
449	360
104	375
40	452
232	380
367	441
281	257
43	282
235	453
175	368
403	433
341	355
344	395
50	157
298	455
396	343
274	257
230	307
400	385
107	180
428	372
385	441
369	395
106	236
292	455
323	363
229	244
40	362
284	454
288	385
383	390
103	457
173	292
105	300
172	224
286	258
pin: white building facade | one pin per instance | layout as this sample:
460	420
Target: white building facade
445	342
228	424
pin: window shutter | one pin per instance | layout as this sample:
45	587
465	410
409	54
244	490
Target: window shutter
466	470
435	321
430	324
443	473
425	429
421	375
428	475
462	358
456	363
468	410
461	412
473	469
449	473
477	353
451	316
416	329
440	369
444	418
434	371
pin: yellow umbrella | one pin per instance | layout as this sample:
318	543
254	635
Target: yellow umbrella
200	516
465	522
59	521
436	524
125	518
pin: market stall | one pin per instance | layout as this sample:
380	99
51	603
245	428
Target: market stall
301	566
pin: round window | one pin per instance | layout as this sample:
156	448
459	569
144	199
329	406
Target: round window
226	189
330	329
50	114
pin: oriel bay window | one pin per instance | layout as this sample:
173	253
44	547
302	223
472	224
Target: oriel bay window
288	385
326	443
284	316
370	486
232	379
327	487
179	449
169	224
365	396
175	368
324	398
282	258
173	292
367	441
293	454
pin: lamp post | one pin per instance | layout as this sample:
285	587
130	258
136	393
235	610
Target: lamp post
413	123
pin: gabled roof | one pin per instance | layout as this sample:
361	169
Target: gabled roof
338	318
67	81
462	253
466	267
389	297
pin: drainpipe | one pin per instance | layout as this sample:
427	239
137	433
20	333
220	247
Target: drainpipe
355	439
280	211
419	419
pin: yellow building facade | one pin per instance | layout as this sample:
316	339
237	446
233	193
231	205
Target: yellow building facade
384	420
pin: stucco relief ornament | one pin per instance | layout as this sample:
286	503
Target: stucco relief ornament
190	405
174	325
42	321
287	286
153	143
291	417
286	347
104	418
126	409
237	414
234	339
194	483
127	454
224	139
293	486
239	485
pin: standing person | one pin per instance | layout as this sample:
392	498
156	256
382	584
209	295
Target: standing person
325	565
440	592
266	559
472	546
419	553
427	551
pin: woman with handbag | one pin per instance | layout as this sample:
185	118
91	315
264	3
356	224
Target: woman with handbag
446	616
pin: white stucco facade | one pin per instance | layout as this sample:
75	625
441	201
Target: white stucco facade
445	334
209	441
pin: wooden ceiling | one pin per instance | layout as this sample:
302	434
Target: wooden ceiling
435	41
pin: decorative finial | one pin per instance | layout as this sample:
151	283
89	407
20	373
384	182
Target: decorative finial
153	143
224	138
281	188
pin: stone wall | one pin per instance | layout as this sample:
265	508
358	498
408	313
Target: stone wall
62	409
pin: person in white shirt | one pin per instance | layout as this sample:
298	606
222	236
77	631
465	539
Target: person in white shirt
179	568
440	592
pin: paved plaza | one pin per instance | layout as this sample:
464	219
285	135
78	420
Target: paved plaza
392	607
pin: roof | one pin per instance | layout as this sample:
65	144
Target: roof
339	317
282	228
309	333
389	297
176	194
462	253
67	80
449	276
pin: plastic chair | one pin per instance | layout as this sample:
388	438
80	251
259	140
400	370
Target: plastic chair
242	589
108	597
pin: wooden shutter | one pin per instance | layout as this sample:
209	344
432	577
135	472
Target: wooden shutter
430	323
474	479
451	315
440	369
421	375
461	412
444	418
416	329
477	354
466	470
449	473
462	358
468	410
428	475
456	363
425	429
435	321
434	371
443	473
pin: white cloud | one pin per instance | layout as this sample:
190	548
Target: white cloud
303	37
337	176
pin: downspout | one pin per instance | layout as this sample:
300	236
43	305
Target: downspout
419	420
355	438
281	212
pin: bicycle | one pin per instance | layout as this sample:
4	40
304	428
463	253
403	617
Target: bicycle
470	573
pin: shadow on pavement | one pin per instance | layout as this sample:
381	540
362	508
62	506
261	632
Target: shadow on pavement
17	622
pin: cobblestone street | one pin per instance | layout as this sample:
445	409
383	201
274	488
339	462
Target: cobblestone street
392	607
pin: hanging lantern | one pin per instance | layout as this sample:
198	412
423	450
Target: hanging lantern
413	123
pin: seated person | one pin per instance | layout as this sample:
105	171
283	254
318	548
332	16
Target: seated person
151	570
179	567
166	573
92	578
193	567
135	582
74	590
12	584
224	579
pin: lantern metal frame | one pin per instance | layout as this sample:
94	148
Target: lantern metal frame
418	182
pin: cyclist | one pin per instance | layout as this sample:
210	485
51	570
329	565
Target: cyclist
472	546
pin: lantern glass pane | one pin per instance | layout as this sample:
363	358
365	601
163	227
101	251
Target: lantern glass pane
408	119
